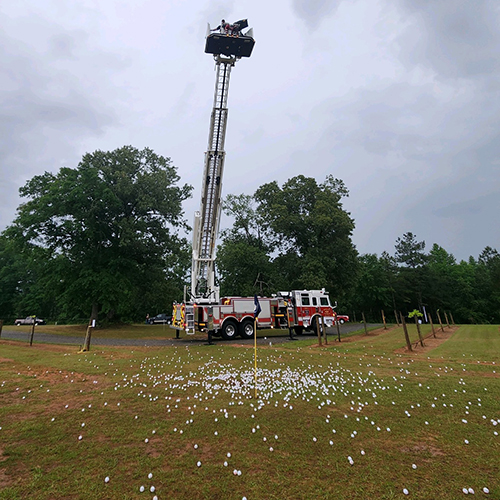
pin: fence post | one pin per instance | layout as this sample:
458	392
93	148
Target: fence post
318	330
364	322
396	316
440	322
446	318
88	336
32	331
432	324
452	320
338	329
383	319
419	332
407	337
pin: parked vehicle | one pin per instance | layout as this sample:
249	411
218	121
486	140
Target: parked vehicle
161	319
342	318
29	321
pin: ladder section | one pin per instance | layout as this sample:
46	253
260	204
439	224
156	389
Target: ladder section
206	226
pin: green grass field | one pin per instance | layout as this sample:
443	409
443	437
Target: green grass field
352	420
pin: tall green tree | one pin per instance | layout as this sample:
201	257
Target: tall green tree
301	228
110	232
243	260
412	273
308	226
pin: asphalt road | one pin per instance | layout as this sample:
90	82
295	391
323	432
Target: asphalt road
186	340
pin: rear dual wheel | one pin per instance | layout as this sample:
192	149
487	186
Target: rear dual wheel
246	329
229	330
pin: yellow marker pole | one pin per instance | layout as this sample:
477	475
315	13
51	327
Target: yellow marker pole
255	352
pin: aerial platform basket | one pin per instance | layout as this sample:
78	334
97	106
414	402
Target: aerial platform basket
239	46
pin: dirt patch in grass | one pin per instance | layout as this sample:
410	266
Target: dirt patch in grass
6	360
363	336
39	347
5	480
430	342
423	448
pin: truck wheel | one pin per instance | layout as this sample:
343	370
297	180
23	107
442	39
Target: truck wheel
341	321
299	330
229	330
246	329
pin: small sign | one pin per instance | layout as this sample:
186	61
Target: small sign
93	323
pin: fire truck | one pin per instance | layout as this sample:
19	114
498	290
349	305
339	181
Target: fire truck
234	316
202	308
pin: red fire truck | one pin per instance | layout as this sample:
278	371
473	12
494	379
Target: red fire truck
234	316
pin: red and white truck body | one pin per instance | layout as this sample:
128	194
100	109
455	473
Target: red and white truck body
232	316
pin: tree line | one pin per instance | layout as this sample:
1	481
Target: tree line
106	240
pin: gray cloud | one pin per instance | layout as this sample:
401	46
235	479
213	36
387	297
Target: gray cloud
314	12
458	39
47	105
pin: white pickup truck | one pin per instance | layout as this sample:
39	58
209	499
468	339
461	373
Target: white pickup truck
29	321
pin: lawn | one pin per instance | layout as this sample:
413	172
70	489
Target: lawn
349	420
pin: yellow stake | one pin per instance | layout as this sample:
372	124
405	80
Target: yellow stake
255	352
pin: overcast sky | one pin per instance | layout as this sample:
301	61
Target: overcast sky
399	98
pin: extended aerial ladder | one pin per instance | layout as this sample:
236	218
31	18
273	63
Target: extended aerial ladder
227	50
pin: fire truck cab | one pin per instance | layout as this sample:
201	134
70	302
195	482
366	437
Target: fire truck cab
308	306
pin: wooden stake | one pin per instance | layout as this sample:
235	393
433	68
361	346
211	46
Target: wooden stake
364	322
419	332
446	318
440	322
338	329
88	336
323	326
432	324
1	326
396	316
383	319
405	329
32	331
452	320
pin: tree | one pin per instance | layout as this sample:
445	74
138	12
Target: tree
409	251
306	225
412	275
242	258
373	290
110	231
